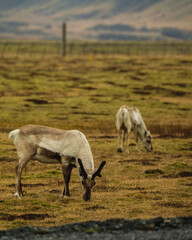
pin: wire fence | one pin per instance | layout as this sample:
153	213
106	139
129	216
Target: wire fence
46	48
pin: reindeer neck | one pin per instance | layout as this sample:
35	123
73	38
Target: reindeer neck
87	160
141	128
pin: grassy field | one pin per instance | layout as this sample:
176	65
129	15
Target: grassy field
85	93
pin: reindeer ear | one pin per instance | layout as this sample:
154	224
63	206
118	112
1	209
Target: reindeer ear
149	137
97	173
148	134
82	168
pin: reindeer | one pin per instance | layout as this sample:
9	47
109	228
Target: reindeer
130	119
51	145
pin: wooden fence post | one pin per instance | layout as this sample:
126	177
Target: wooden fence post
64	39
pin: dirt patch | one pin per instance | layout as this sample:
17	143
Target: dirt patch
147	163
111	83
185	174
94	100
60	118
86	113
116	84
132	144
74	78
186	149
182	174
164	91
115	189
169	103
186	62
54	191
138	79
167	136
172	204
178	156
36	73
120	96
140	162
108	188
156	158
141	91
29	185
182	85
136	188
88	88
104	136
2	94
187	184
30	216
122	85
96	207
111	68
141	73
153	171
123	70
185	109
7	159
98	95
37	101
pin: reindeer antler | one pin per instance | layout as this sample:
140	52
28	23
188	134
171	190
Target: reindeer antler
97	173
82	168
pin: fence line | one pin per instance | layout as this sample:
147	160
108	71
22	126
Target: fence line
43	48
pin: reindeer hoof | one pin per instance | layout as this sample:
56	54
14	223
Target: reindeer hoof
17	195
64	196
119	150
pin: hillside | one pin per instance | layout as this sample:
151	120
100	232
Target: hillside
111	19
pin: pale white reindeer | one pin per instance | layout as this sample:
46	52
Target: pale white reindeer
51	145
130	119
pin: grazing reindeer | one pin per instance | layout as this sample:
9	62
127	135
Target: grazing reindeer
130	119
51	145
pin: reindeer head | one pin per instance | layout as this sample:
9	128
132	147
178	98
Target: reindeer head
89	180
147	141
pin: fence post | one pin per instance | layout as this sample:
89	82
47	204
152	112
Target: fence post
64	39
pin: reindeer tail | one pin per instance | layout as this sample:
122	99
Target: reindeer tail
13	133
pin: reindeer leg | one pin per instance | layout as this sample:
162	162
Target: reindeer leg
20	188
24	156
136	138
124	136
119	148
66	170
127	138
19	169
17	183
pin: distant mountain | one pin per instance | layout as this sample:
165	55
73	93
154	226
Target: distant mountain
97	19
